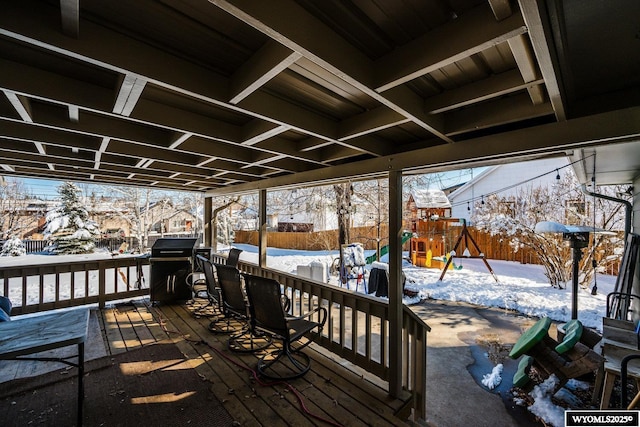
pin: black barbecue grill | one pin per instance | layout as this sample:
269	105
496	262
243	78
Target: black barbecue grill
171	262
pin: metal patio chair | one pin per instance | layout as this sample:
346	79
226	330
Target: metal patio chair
201	297
207	289
234	257
235	315
267	311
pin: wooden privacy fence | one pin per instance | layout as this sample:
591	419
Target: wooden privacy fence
315	240
493	247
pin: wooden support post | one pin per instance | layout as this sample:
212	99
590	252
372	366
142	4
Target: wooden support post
262	233
395	283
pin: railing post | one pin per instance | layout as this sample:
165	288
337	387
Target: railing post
102	288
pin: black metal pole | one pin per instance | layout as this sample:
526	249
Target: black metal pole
577	255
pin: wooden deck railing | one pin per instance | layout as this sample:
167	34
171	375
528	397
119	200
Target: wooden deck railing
357	329
41	287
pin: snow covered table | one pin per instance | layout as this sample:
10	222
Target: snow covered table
30	335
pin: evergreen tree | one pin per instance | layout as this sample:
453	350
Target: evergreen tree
13	247
68	227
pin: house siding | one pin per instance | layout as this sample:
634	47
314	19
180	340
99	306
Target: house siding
499	180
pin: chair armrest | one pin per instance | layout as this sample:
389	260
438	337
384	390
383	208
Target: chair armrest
307	315
286	303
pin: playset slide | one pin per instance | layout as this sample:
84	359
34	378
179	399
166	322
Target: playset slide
385	249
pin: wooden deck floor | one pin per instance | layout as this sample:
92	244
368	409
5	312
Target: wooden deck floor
330	390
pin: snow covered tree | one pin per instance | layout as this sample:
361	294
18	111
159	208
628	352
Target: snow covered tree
13	247
514	218
222	222
68	227
14	199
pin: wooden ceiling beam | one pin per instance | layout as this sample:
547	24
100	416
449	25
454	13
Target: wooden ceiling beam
96	47
70	17
69	140
527	66
495	113
533	17
21	104
265	64
470	33
130	90
369	122
29	132
614	126
149	112
259	130
492	87
302	32
369	144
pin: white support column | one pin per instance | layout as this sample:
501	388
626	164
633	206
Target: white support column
395	283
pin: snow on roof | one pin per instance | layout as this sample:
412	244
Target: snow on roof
431	198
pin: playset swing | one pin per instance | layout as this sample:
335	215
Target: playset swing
464	234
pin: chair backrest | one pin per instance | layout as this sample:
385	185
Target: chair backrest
234	257
265	304
209	276
230	283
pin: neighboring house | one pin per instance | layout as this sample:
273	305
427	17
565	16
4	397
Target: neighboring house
505	180
23	218
310	214
175	222
110	217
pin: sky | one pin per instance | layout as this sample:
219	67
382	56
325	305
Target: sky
44	188
47	189
520	287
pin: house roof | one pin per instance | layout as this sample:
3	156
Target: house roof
430	198
527	171
234	95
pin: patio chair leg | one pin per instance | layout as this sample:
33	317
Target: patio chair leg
248	341
298	365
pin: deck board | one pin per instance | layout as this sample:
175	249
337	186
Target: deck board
329	390
113	335
228	385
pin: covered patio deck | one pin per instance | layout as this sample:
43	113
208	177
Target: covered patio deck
335	393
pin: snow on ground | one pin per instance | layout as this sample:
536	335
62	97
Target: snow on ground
520	287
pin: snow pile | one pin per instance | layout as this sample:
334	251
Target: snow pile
493	379
542	406
353	255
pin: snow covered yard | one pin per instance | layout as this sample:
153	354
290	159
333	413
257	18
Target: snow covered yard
522	288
